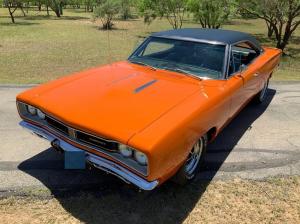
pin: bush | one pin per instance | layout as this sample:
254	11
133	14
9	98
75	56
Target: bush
107	12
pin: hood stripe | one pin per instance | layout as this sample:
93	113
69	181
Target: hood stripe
137	90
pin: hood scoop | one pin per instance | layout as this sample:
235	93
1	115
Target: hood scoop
144	86
115	102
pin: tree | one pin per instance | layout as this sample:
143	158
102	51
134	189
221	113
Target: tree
88	5
147	9
55	6
173	10
281	17
106	11
125	9
12	6
210	13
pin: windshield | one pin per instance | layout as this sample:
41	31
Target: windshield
199	59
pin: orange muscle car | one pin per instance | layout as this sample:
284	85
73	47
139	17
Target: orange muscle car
150	118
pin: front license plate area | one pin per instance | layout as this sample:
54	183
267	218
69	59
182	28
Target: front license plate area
74	159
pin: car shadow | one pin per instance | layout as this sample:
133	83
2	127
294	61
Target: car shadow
94	197
222	146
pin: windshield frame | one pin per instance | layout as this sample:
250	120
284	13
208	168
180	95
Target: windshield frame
226	53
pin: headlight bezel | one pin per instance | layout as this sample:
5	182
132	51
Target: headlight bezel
142	161
31	110
35	112
122	150
40	114
134	153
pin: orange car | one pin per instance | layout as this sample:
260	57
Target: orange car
151	117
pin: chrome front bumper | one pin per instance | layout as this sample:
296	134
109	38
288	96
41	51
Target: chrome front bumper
96	161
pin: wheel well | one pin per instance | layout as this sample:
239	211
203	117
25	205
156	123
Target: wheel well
211	134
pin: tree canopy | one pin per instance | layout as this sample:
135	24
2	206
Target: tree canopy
210	13
172	10
281	17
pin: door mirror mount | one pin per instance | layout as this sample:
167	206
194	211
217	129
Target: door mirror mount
242	67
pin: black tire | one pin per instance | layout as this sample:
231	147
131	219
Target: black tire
261	96
188	171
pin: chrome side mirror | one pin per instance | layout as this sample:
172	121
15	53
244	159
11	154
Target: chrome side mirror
242	67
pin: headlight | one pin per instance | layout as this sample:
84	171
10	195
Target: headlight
31	109
141	158
125	150
41	114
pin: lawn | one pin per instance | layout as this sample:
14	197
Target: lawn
275	200
39	48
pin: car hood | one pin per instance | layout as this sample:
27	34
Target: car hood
114	101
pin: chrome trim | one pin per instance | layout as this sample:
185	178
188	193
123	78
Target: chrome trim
258	48
69	127
120	172
72	133
191	39
98	162
226	61
107	152
139	47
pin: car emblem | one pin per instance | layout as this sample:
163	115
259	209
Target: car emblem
72	133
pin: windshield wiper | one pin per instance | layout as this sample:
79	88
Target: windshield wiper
185	72
144	64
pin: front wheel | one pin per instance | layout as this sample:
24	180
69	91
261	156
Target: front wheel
193	162
261	96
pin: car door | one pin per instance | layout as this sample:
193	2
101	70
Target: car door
243	77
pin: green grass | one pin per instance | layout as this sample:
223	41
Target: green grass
39	48
274	200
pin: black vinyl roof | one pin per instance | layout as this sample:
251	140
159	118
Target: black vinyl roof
218	36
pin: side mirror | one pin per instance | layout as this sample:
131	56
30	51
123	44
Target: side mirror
241	70
242	67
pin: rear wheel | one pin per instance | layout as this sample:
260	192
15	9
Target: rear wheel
261	96
193	162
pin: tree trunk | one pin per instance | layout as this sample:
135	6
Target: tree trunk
270	32
270	29
54	5
11	13
47	8
61	8
21	7
57	13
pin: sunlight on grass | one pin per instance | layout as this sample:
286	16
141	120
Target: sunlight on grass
39	48
274	200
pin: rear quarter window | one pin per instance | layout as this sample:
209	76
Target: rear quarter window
241	54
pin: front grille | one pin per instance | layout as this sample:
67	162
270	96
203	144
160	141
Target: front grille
57	125
82	137
106	147
95	141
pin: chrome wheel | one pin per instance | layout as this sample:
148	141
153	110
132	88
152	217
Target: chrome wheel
263	92
193	162
194	157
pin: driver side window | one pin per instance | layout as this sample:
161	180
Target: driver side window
241	54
